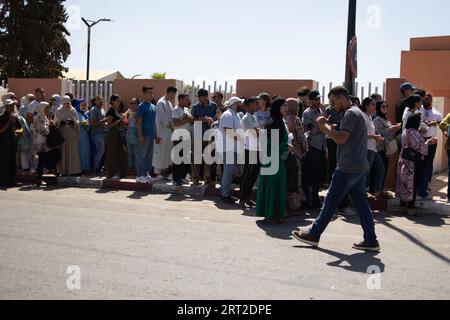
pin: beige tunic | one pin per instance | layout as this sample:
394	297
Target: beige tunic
70	156
163	151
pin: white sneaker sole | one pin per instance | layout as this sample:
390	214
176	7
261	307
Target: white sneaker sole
378	249
314	244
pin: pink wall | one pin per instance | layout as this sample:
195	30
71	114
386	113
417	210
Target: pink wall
283	88
130	88
22	87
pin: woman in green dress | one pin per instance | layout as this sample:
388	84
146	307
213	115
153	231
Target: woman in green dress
271	198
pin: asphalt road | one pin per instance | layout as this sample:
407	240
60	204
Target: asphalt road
127	245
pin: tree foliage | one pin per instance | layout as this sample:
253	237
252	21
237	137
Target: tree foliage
33	40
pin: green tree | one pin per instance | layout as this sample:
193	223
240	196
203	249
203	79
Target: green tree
159	75
33	40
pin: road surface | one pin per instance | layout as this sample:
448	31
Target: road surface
66	243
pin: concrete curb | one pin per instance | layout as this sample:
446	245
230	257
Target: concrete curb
428	207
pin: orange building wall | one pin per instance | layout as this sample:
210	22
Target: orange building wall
282	88
22	87
428	69
430	43
130	88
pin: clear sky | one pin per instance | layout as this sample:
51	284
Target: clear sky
232	39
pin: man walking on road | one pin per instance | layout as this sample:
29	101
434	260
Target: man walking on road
350	174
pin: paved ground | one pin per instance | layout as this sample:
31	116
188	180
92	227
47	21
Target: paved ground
134	245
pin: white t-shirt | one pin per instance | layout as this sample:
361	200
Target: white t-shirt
250	122
406	115
371	143
179	113
431	115
229	120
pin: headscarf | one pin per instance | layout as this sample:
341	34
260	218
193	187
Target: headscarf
57	104
379	112
41	108
276	121
77	105
66	99
414	121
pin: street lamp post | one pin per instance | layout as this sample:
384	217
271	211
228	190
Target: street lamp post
90	24
351	33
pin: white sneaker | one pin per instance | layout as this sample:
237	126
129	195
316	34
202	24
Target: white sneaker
150	180
142	180
348	212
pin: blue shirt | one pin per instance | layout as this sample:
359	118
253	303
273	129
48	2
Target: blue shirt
199	111
147	112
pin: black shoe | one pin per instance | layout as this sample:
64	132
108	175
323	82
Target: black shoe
364	246
229	200
305	237
178	184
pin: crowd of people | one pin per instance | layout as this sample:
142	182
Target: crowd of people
345	145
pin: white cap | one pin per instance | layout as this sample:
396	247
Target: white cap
9	102
235	100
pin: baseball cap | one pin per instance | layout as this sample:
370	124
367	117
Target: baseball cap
9	102
314	95
407	86
235	100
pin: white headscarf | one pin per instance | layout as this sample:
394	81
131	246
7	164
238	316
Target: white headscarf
41	108
57	104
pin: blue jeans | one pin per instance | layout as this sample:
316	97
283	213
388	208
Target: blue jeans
341	184
377	167
144	164
99	143
227	175
428	171
133	155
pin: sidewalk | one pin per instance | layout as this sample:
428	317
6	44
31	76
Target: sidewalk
439	204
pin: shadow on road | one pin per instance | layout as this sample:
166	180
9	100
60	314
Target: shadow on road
386	222
359	262
283	231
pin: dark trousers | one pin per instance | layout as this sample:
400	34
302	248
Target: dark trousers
428	170
180	170
47	160
250	175
418	177
313	173
385	160
332	158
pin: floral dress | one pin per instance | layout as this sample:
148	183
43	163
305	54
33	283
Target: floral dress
295	127
405	170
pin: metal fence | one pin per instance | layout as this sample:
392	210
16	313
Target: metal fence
88	90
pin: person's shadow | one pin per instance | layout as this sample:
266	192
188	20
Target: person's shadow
362	262
283	231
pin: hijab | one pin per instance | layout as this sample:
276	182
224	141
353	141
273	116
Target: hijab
57	104
276	121
77	105
41	108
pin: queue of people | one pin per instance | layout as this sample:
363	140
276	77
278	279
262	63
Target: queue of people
71	137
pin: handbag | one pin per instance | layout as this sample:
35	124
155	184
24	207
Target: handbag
54	138
411	155
391	148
